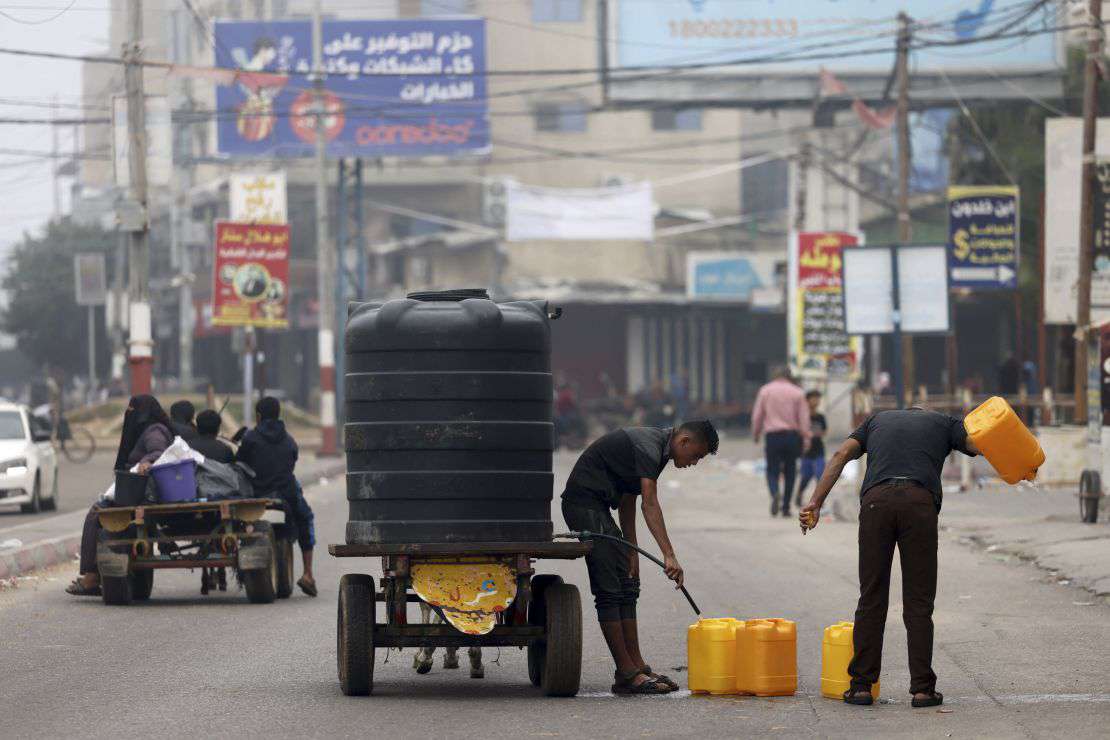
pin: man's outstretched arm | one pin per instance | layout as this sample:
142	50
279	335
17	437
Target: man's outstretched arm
850	450
653	516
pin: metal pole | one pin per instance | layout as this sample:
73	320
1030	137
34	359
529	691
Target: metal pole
141	343
1086	208
248	374
54	161
903	345
899	360
92	351
325	264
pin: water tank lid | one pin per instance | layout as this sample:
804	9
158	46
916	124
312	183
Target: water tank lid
456	294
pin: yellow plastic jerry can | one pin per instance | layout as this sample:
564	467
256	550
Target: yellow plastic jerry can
767	657
711	656
836	653
1006	443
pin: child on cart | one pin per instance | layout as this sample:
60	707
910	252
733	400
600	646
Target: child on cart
272	454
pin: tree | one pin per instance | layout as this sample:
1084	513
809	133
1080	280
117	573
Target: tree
42	312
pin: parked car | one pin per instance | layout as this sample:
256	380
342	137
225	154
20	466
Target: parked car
28	463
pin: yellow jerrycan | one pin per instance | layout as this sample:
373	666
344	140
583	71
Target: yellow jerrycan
767	657
836	653
711	656
1006	443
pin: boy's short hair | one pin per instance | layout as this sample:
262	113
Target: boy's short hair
702	431
268	408
208	422
813	393
182	411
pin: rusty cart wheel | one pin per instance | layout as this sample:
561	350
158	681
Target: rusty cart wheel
1090	490
261	583
116	590
562	665
537	616
354	633
142	583
283	568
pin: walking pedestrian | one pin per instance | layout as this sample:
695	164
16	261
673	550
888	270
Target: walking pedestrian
813	461
900	501
781	416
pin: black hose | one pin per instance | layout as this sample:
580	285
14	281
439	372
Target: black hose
585	535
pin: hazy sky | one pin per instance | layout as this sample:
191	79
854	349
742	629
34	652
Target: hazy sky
27	88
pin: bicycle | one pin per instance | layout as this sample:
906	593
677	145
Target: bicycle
78	443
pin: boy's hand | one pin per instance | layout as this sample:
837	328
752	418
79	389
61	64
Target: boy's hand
673	570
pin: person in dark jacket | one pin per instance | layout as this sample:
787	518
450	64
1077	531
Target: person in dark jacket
206	443
181	420
272	454
145	436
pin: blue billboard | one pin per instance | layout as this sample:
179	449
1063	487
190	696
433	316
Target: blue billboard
676	32
409	88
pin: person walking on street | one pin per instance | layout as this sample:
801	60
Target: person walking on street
900	501
781	417
813	461
612	473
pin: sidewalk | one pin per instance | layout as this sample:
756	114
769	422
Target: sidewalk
50	541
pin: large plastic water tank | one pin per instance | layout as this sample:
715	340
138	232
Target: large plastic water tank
448	431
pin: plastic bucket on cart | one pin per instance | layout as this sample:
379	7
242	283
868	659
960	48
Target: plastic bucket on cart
175	481
130	488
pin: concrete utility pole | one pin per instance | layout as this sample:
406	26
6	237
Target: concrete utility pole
325	263
141	343
902	73
1086	208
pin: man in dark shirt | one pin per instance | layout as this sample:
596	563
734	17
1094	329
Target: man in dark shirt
900	501
272	454
610	474
813	459
206	443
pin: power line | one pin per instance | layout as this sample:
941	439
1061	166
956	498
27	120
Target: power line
54	17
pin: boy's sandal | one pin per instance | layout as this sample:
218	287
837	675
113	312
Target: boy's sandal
79	589
935	699
665	680
309	587
859	697
625	686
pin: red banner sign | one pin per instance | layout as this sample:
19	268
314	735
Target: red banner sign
819	345
251	275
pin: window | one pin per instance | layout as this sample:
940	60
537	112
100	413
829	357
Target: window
11	425
765	187
561	117
676	119
556	11
444	7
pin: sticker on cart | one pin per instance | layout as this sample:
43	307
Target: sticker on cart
470	595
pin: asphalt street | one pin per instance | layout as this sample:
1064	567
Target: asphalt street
1018	654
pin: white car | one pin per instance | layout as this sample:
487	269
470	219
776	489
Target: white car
28	463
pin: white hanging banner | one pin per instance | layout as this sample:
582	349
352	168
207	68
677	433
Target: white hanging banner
258	198
625	213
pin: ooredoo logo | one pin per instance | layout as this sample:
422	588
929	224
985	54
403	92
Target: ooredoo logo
432	132
304	111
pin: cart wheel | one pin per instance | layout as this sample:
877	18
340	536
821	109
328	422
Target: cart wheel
354	634
142	583
283	568
1090	490
116	590
261	583
562	665
537	616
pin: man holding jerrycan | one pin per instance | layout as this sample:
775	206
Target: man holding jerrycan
900	501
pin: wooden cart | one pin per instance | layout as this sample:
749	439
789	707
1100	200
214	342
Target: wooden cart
137	540
545	616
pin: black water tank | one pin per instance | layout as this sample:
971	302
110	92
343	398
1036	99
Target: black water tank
448	428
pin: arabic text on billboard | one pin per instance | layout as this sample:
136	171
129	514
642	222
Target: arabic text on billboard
819	341
983	236
711	31
410	88
251	275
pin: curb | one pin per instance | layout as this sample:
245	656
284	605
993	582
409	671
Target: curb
44	554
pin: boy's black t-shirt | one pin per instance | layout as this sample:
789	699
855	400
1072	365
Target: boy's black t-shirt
615	463
817	422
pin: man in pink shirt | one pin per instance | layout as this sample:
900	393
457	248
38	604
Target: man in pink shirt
781	418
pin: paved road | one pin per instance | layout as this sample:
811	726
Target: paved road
1018	654
78	487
